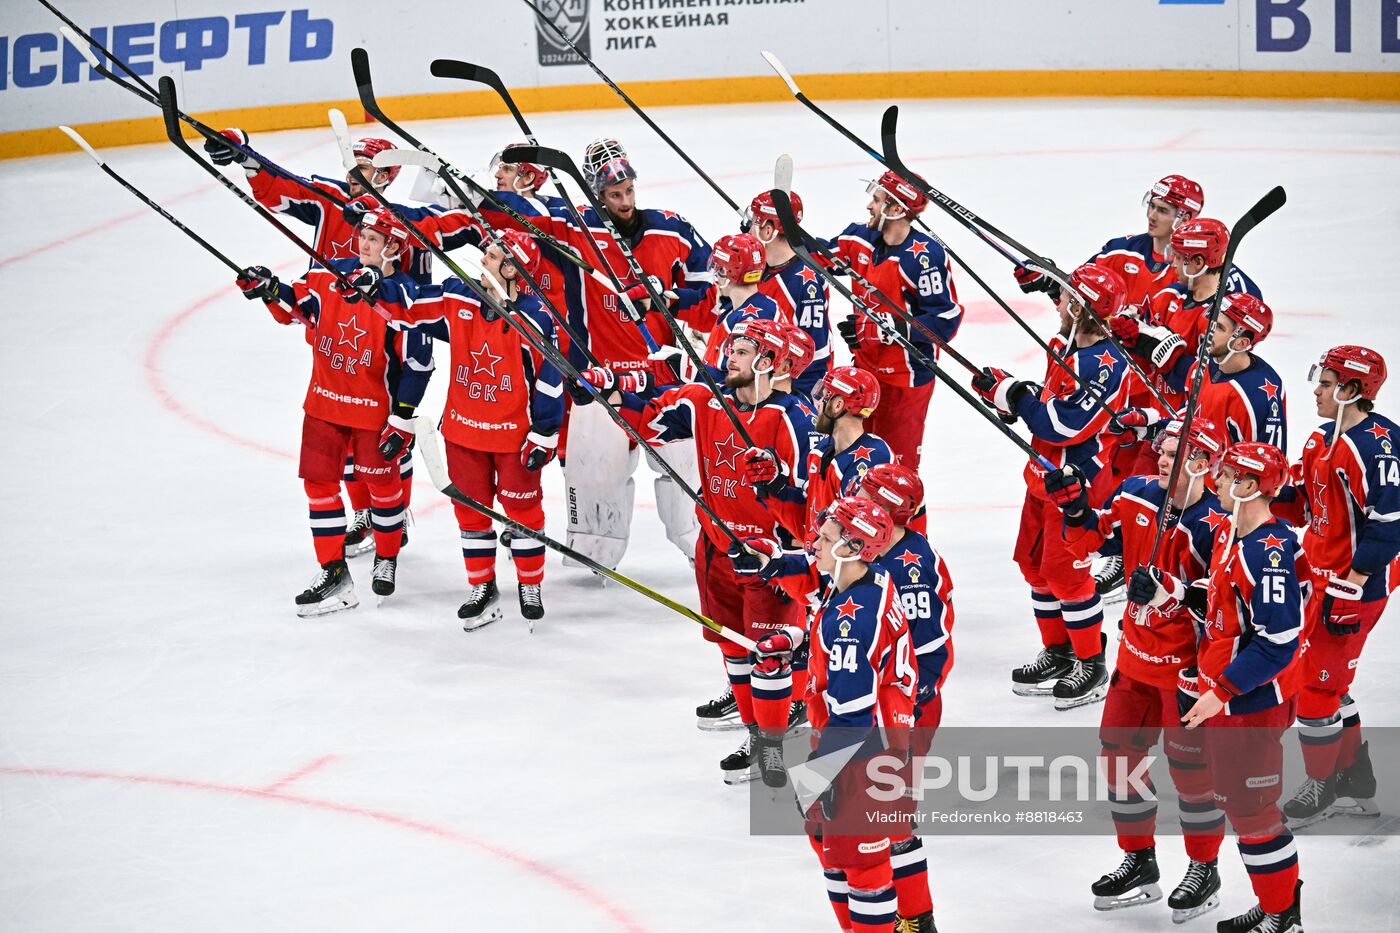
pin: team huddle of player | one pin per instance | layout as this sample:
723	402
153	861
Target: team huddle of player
792	483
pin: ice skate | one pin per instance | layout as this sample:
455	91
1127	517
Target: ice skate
1109	581
1311	803
531	604
1132	884
1256	921
1038	678
923	923
797	716
331	591
1357	784
720	714
384	570
483	606
768	754
737	766
359	537
1197	894
1087	683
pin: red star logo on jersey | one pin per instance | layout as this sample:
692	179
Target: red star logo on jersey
1378	432
1269	389
863	453
727	452
1273	541
848	609
807	275
351	336
670	215
342	250
919	248
1216	520
909	559
484	361
1106	359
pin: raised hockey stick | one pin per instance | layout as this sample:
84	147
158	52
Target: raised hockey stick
170	108
561	161
155	206
431	453
518	322
635	109
1252	218
783	204
364	85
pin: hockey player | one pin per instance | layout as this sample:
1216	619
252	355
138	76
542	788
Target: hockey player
1240	392
925	591
909	266
1159	642
1347	492
737	264
1065	423
745	603
504	407
799	291
348	405
862	677
1247	676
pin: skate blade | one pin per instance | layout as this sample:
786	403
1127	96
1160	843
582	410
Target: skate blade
1187	914
366	546
724	724
1033	690
1094	696
492	614
328	606
1363	809
1119	594
1303	822
1146	894
736	778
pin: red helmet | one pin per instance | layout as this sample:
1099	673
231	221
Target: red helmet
858	388
1353	364
1265	461
1205	238
523	251
901	192
379	219
537	173
866	525
1248	313
896	487
1181	193
739	257
1206	437
769	336
371	146
761	209
1101	287
801	347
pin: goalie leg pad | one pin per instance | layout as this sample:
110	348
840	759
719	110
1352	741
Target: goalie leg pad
599	487
677	510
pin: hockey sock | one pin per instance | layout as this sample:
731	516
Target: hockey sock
872	898
479	554
799	684
771	687
1134	816
739	666
1084	620
910	870
1202	827
1272	863
406	476
1321	739
386	515
838	892
357	491
528	557
1047	616
327	520
1351	732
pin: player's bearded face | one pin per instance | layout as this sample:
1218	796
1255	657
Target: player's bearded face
876	207
621	200
738	372
827	414
370	172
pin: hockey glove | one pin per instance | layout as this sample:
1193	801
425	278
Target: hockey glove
1152	586
1032	280
539	449
1126	328
258	284
891	326
1133	425
1160	346
1197	595
846	328
361	285
397	433
763	471
754	557
1339	604
669	365
1069	490
781	644
999	388
354	211
641	299
221	153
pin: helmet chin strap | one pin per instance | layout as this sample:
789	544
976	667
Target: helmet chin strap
1235	512
1230	351
1342	404
755	228
1191	279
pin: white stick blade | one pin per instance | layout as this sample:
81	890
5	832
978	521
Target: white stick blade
392	157
77	42
341	128
777	66
82	143
782	173
430	451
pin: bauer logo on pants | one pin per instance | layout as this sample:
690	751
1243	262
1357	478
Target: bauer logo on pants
571	16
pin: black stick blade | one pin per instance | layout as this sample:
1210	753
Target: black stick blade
170	109
462	71
359	67
1260	212
539	155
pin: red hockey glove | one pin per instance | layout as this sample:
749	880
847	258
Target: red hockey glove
1126	328
782	643
1068	489
1133	425
755	556
999	388
1339	607
539	449
397	434
221	153
669	366
354	211
763	470
362	284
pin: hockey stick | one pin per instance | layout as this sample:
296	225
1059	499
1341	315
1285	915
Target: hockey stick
1252	218
561	161
142	89
155	206
635	109
783	204
436	464
170	108
364	85
513	318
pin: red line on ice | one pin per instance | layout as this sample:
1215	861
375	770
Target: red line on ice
299	773
554	876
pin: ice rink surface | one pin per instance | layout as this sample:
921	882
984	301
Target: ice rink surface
179	752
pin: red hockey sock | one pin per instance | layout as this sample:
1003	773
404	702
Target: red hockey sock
327	513
740	670
910	869
1047	616
1351	734
1272	863
1087	641
799	685
406	475
386	515
358	494
872	899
